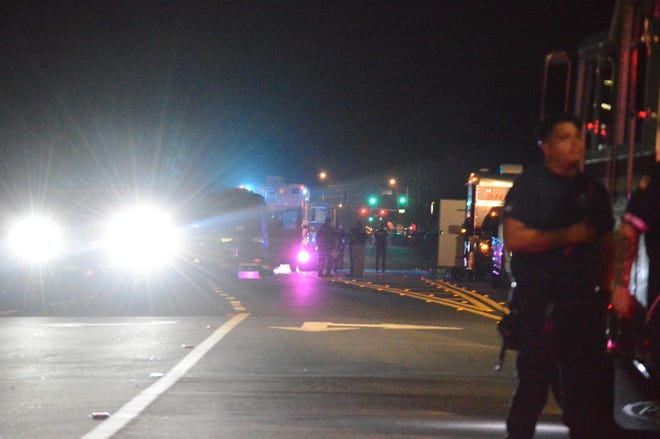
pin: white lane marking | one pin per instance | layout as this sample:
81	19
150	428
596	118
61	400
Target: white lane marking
85	325
135	406
483	427
329	326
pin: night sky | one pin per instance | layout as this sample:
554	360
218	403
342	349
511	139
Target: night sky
228	92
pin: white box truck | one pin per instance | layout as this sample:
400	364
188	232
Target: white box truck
451	215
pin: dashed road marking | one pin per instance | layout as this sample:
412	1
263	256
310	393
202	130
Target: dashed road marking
233	302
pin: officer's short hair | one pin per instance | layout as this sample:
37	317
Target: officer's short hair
548	122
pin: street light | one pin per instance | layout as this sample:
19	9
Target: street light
401	199
323	178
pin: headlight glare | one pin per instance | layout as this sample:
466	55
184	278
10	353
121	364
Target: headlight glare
143	238
35	239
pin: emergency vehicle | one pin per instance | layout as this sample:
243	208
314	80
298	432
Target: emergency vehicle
292	223
228	227
484	256
612	84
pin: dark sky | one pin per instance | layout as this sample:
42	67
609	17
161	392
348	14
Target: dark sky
243	89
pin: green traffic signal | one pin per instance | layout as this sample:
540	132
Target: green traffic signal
402	200
373	200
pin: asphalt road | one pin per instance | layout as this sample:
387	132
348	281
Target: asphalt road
207	355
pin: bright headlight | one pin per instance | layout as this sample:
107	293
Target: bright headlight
35	239
142	239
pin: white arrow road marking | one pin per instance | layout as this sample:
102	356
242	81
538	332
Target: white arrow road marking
314	327
329	326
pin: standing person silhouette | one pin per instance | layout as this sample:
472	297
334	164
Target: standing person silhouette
558	225
380	244
325	241
357	240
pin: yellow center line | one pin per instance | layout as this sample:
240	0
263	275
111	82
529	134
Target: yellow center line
471	295
473	306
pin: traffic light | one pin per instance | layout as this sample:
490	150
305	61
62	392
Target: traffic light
363	211
372	200
382	212
402	201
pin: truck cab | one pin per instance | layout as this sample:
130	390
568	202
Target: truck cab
484	252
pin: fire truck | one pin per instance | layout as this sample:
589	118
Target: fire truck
484	256
612	83
293	222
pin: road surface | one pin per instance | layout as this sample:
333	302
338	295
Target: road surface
205	354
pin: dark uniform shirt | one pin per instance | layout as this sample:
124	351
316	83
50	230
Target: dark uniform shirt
544	201
325	237
357	236
380	238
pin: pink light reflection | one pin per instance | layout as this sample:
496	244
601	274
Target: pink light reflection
248	275
303	256
304	296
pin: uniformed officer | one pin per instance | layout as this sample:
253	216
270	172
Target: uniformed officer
558	225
